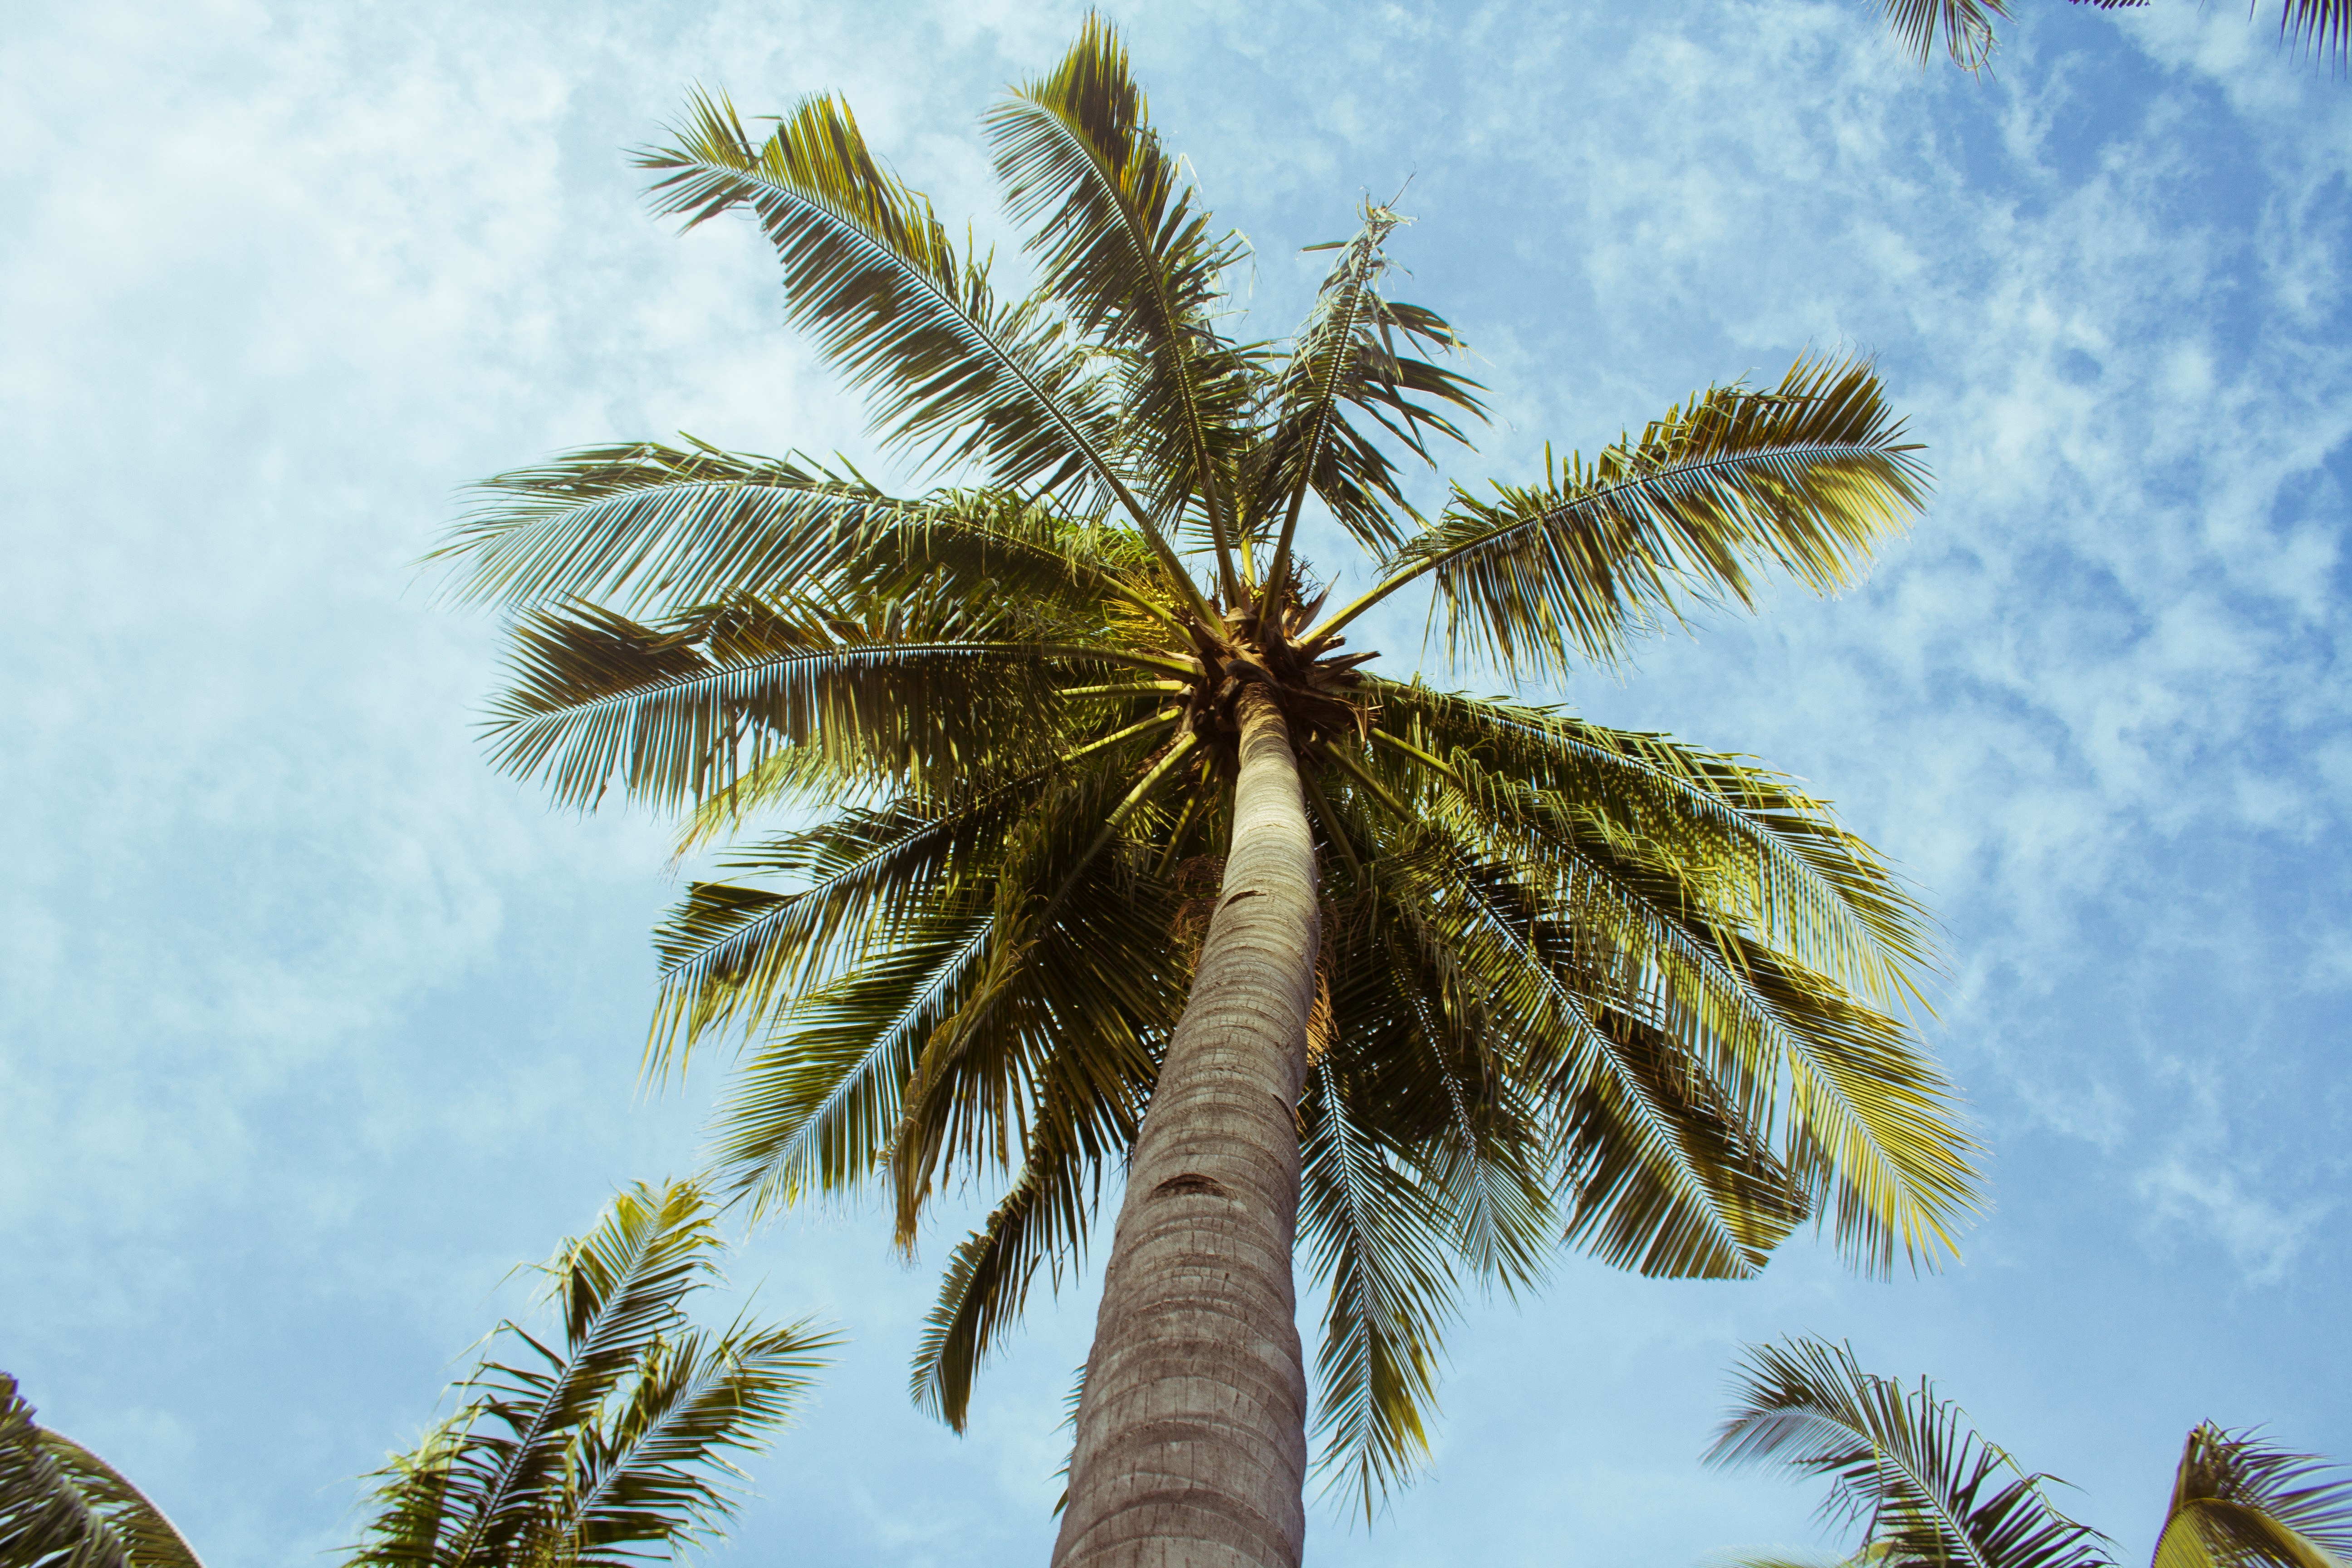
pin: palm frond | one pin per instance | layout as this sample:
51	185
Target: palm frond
679	713
612	1449
1076	978
990	946
1044	1218
656	1469
1422	1172
1808	477
2241	1501
1965	26
1902	1461
1670	1167
1357	351
815	1109
1374	1238
871	275
738	952
61	1506
658	523
1124	246
2322	28
1722	1089
1774	859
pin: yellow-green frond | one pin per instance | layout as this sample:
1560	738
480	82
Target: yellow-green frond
1809	479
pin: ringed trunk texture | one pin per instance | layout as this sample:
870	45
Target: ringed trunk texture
1192	1433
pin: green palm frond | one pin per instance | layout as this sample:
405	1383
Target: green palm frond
1669	1172
1902	1461
614	1449
1124	244
679	713
668	524
1375	1237
1061	989
656	1461
61	1506
1424	1169
1044	1218
734	953
1771	855
993	948
1650	904
873	277
671	528
2321	29
815	1108
1810	477
1357	351
2240	1500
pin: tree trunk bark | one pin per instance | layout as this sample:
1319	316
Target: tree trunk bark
1192	1433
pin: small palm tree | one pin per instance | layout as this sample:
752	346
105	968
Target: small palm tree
612	1449
1092	814
1929	1491
61	1506
2322	28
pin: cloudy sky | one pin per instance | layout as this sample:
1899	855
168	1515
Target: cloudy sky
311	1027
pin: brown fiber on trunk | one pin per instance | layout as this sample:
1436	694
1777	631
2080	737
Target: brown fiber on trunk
1192	1436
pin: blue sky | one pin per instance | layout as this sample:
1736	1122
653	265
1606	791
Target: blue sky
311	1027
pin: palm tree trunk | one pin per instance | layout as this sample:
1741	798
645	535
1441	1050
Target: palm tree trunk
1192	1435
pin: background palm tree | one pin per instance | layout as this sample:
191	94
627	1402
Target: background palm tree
1928	1490
612	1449
583	1456
2322	28
61	1506
1096	816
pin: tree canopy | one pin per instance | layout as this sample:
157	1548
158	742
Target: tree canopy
1573	982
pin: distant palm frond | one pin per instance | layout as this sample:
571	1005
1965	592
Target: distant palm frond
2240	1500
2319	29
1901	1462
612	1449
61	1506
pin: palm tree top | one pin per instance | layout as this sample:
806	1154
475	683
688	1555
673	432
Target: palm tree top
1574	982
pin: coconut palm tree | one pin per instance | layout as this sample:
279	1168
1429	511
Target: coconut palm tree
612	1449
1087	811
2321	28
61	1506
601	1454
1929	1491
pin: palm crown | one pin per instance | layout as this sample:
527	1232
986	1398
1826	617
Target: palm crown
1569	981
